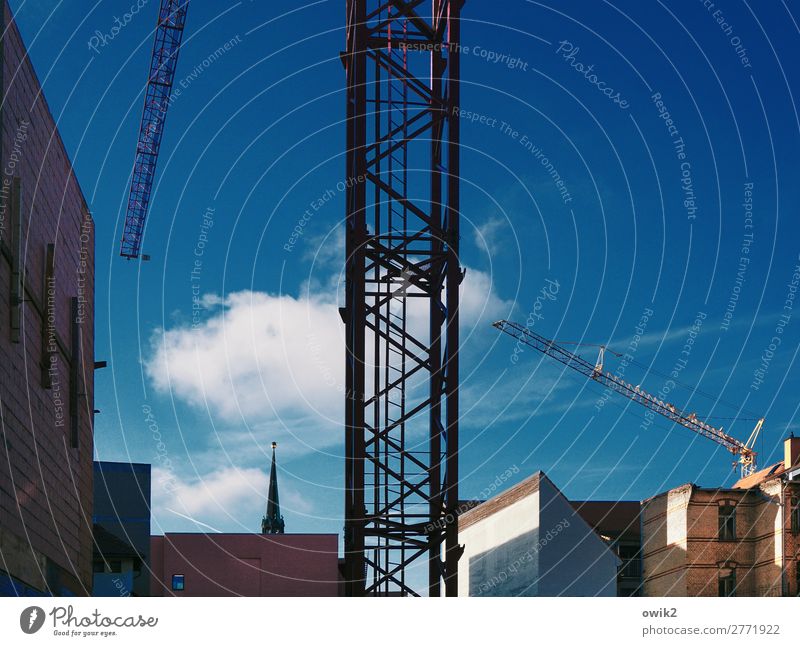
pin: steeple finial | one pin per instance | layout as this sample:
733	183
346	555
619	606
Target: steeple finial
272	523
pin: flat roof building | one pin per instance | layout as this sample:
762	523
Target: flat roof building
739	541
269	564
117	566
46	344
248	565
122	511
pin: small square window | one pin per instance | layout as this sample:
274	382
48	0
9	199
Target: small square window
177	582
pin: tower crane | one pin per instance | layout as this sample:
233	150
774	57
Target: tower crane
743	451
164	60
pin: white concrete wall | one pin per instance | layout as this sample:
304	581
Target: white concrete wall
573	560
537	546
492	549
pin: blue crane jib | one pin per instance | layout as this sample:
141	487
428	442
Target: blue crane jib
168	35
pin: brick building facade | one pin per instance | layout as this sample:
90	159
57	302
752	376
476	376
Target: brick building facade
247	565
46	344
742	541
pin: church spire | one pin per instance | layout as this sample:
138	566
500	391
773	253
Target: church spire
272	523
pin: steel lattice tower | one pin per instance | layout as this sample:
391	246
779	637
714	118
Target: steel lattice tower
163	62
402	290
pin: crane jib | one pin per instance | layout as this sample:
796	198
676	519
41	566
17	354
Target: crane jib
595	372
163	62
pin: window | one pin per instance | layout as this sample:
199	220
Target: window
727	583
17	269
49	340
177	582
797	576
631	567
75	361
795	516
727	522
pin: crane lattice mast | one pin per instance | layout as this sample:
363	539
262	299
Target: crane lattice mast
402	256
168	36
743	450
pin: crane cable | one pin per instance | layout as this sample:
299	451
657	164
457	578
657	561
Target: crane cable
649	369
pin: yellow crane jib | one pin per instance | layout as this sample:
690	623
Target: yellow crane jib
746	455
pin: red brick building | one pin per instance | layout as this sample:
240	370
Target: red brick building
46	344
247	565
743	541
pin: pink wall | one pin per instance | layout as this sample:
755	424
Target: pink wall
279	565
45	483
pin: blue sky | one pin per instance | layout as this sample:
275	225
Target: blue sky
255	138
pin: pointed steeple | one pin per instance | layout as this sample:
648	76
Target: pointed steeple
272	523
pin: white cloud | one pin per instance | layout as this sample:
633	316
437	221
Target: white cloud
295	501
480	305
515	395
266	359
258	357
227	499
268	367
214	500
488	233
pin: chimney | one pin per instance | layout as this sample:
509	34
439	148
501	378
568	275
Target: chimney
791	451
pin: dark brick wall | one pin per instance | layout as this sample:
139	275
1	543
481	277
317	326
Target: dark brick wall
45	481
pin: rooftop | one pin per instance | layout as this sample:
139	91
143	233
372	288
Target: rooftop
759	477
502	500
610	518
109	545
